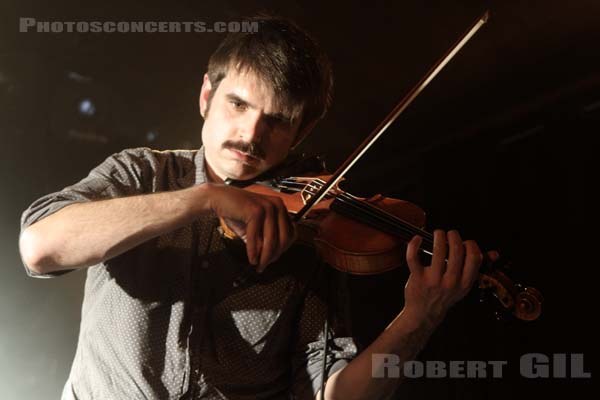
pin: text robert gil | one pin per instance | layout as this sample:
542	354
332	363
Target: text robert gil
531	365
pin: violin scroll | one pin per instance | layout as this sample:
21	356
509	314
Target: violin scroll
524	303
528	304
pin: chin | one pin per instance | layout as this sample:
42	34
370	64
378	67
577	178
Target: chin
243	174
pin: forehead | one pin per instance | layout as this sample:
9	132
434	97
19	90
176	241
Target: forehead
250	87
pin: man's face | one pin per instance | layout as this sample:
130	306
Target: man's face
245	131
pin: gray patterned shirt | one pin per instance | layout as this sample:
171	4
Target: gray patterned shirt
179	317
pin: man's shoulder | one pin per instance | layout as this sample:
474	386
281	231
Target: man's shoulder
154	154
181	159
164	169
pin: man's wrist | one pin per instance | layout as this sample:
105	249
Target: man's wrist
414	319
199	201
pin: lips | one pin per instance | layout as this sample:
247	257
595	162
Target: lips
246	158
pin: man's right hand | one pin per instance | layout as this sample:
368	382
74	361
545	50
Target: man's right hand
262	222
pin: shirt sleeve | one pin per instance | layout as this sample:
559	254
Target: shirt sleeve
308	353
122	174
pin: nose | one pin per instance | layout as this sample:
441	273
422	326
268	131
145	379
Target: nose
253	128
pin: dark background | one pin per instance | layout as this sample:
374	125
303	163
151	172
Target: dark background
499	146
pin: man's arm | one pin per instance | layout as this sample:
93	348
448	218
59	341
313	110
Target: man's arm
84	234
404	337
429	293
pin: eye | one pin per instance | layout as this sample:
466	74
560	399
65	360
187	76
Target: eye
279	121
238	105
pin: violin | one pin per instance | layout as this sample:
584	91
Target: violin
361	236
365	236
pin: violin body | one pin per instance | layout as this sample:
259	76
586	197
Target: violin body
356	248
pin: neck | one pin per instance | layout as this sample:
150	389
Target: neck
211	175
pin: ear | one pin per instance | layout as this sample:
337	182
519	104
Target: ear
204	93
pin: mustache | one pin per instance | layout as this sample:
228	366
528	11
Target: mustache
252	149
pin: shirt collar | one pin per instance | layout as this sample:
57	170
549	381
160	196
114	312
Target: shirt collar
194	174
200	167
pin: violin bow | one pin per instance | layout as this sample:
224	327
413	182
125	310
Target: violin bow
391	117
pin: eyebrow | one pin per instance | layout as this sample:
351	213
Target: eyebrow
281	117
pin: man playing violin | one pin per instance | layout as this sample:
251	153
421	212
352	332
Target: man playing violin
168	312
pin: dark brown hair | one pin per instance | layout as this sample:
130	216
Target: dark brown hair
284	57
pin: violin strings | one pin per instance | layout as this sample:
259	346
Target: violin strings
384	216
383	221
355	212
380	215
377	217
301	186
